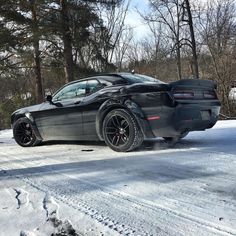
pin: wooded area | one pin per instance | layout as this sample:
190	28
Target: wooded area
46	43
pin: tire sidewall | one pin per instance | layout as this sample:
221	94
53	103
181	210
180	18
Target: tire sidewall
18	122
132	130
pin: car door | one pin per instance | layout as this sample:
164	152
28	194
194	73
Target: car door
90	106
61	119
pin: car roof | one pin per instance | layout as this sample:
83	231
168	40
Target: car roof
110	77
107	76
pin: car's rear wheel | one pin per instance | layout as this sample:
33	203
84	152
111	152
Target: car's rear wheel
24	134
121	131
177	138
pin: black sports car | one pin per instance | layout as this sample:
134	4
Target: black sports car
121	108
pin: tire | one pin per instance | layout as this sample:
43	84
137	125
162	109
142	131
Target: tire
121	131
24	134
175	139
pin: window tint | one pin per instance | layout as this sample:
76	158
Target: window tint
136	78
112	80
105	82
92	86
71	91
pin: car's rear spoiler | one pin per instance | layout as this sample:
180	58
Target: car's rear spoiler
156	87
145	88
194	83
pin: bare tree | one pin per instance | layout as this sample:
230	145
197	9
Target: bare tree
218	29
121	47
111	34
157	44
188	18
169	14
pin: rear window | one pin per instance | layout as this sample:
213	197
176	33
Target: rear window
111	80
136	78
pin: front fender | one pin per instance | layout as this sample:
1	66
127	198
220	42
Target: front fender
127	104
24	113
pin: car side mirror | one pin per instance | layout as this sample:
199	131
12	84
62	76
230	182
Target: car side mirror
49	98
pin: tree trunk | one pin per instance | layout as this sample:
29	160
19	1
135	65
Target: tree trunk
37	66
37	69
194	48
179	66
67	41
178	45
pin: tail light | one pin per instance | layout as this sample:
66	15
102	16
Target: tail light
185	94
210	94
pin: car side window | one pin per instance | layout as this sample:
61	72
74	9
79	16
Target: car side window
71	91
105	82
92	86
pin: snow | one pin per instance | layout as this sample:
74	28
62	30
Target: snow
85	188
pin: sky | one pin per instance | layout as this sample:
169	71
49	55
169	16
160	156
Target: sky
134	20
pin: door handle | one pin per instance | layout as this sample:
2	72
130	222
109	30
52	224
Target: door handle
78	102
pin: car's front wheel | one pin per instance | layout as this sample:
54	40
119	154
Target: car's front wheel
121	131
23	133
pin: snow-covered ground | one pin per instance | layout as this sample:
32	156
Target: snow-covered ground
87	189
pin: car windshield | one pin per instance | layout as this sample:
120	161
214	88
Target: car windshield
137	78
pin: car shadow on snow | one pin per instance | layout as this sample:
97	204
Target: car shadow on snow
204	141
86	143
148	145
216	144
169	167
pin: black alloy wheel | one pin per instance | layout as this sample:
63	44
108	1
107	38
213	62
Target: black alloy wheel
117	130
121	131
24	133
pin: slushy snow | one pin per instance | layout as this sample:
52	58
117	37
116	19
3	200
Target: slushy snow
85	188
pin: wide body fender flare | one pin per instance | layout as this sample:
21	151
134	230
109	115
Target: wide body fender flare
31	120
128	105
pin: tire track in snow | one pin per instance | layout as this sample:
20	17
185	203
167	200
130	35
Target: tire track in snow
85	208
142	205
149	206
75	203
81	206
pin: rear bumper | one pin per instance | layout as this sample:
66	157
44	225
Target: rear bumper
174	121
